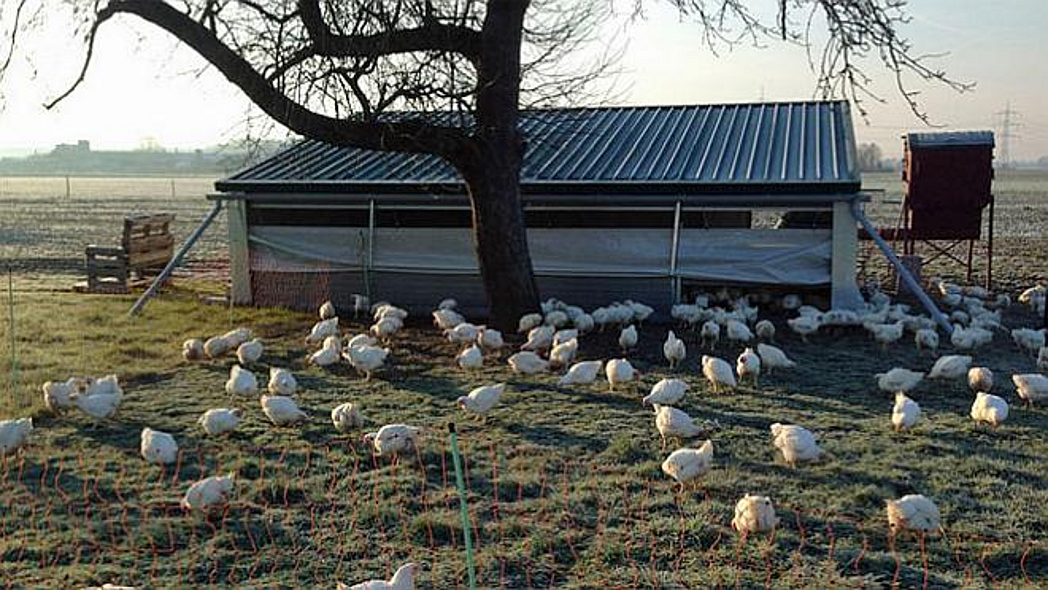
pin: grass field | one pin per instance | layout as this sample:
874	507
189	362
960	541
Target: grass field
564	483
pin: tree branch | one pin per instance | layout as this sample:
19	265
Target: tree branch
414	136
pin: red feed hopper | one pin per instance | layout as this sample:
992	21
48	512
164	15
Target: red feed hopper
948	178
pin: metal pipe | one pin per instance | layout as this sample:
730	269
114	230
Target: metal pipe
175	260
904	272
674	279
467	531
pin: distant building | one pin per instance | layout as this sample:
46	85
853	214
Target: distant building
79	148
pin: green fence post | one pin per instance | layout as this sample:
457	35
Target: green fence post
463	507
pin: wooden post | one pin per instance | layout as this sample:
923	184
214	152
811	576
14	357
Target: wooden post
67	186
989	248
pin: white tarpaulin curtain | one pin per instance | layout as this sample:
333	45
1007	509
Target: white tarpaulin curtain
786	256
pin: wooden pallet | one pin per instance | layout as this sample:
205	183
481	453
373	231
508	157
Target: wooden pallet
145	248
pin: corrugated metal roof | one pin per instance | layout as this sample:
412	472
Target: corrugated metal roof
762	147
950	138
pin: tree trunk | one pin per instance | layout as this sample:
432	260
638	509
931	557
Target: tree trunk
491	169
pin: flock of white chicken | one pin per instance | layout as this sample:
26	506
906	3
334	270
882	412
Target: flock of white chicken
552	344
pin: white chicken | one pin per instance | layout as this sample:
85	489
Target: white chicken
562	336
527	363
14	434
393	439
672	422
539	338
328	354
772	357
688	465
582	373
322	330
361	340
327	310
491	340
217	421
241	382
667	392
158	447
528	322
58	394
913	512
385	328
464	333
748	366
108	385
765	330
905	412
556	318
619	371
926	339
99	406
216	346
209	492
805	325
447	319
403	579
346	417
885	334
562	354
980	379
281	410
674	350
281	382
482	399
193	349
989	408
628	338
1031	387
898	379
791	302
710	334
754	514
1029	341
951	366
249	352
449	303
737	331
796	443
470	359
366	359
718	372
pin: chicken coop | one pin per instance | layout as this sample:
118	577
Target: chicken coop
621	202
948	180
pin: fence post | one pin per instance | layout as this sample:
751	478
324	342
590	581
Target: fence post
463	507
11	324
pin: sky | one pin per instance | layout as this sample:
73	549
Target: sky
144	88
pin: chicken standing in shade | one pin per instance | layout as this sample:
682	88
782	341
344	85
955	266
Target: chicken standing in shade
628	338
926	339
905	412
1031	387
710	333
491	340
281	410
158	447
765	330
672	422
748	366
913	512
14	434
481	400
898	379
527	363
582	373
804	325
619	371
738	331
980	379
754	514
346	417
688	465
403	579
772	357
674	350
471	358
562	354
990	409
218	421
796	443
529	322
667	392
952	366
209	492
718	372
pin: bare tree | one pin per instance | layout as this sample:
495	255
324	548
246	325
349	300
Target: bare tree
448	77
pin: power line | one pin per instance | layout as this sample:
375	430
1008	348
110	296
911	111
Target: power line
1008	124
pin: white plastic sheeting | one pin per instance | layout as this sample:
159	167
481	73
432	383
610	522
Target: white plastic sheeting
799	257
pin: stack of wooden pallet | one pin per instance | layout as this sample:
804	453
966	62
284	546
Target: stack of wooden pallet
146	247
